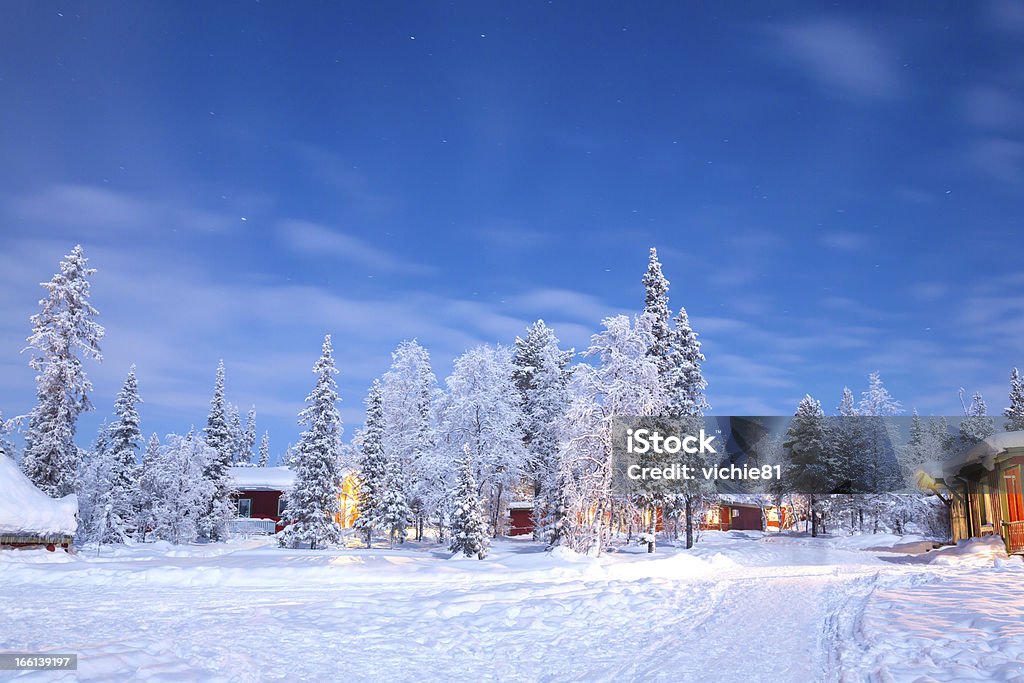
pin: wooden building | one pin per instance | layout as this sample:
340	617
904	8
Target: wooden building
520	518
983	486
261	499
746	512
733	516
29	517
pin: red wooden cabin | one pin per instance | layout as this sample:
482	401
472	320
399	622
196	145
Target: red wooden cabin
259	495
520	516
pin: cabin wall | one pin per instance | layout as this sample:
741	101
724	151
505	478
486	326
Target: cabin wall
264	503
746	519
981	504
520	521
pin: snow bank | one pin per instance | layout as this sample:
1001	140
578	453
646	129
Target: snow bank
972	552
950	624
24	509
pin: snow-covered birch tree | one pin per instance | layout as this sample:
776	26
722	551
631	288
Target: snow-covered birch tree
976	425
483	410
624	381
179	493
145	494
92	486
7	427
408	390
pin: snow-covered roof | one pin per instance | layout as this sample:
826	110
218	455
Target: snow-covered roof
262	478
750	499
984	452
24	509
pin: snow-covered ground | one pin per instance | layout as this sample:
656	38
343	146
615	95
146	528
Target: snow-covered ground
740	607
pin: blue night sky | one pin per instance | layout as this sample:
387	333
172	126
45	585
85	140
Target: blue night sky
832	190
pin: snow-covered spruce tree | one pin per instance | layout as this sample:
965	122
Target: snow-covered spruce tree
394	515
180	493
218	437
684	379
1015	411
542	376
846	438
125	440
940	428
624	382
811	467
64	333
976	425
469	531
656	306
248	439
676	351
408	391
483	410
685	400
145	493
264	450
235	432
372	465
313	501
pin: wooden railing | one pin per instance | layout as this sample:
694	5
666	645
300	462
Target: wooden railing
1014	536
245	525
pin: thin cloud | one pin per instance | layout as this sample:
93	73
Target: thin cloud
1000	158
842	56
314	239
845	241
102	211
563	303
510	234
992	107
